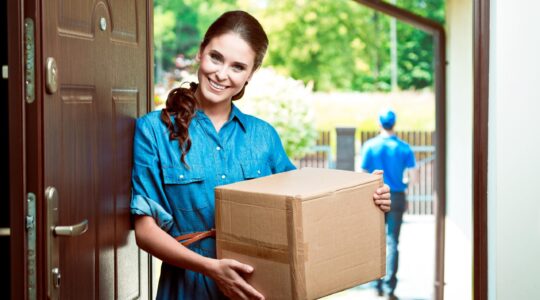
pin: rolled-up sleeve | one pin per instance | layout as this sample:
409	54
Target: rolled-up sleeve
148	197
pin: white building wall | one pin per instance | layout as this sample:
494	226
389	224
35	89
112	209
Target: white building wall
514	151
458	233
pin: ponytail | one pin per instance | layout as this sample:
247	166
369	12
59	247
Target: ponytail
181	104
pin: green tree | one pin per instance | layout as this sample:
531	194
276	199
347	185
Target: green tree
415	47
341	45
324	42
175	31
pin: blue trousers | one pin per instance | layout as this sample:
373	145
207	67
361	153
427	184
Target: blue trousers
393	220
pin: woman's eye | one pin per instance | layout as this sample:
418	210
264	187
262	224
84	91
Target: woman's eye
238	68
215	58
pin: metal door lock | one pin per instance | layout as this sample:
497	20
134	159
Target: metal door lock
51	76
56	276
55	233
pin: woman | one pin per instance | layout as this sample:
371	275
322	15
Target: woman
199	141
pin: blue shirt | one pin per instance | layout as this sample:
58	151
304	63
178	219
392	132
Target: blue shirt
390	154
180	198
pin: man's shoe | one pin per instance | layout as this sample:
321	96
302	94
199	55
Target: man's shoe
392	297
380	293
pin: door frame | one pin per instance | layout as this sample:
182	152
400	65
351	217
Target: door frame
17	149
439	39
25	133
481	42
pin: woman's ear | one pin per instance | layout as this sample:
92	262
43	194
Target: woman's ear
198	56
251	75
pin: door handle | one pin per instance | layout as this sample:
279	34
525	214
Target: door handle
54	232
5	231
72	230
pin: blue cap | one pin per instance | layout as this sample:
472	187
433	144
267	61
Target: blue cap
387	118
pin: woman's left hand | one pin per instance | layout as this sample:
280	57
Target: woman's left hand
381	197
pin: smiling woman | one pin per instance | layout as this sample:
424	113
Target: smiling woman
201	140
198	141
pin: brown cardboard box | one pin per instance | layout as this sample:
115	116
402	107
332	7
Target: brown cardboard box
308	233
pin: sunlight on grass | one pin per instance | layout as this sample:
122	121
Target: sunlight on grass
415	110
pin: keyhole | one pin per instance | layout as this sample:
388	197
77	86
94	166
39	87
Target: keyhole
56	277
102	24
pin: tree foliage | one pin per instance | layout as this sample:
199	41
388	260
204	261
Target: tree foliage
415	47
341	45
335	45
284	103
327	42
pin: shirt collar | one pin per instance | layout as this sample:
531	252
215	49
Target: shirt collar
387	135
236	114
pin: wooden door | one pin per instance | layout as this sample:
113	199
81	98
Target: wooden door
99	85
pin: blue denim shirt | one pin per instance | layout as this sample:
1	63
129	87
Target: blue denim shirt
180	198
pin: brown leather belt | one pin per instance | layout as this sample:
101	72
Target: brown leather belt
190	238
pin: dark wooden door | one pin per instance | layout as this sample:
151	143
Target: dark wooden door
102	81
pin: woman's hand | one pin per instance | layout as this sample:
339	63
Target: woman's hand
227	273
381	197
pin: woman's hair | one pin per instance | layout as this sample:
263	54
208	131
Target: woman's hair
181	102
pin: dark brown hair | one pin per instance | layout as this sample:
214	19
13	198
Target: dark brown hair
181	102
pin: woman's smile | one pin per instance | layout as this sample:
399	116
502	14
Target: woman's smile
216	85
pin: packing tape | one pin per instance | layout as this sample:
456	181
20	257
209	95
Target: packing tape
295	237
277	255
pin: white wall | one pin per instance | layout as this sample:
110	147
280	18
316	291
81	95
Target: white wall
458	234
514	151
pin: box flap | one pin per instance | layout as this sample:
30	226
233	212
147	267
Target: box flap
305	184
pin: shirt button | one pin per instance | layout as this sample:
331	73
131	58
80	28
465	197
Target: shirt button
223	176
181	176
259	172
218	148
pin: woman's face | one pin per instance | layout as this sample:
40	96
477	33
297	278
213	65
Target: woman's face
226	64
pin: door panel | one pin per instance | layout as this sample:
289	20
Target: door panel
100	48
77	155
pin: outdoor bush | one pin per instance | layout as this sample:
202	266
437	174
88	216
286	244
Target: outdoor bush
284	103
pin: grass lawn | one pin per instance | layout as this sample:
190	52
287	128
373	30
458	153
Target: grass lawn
415	110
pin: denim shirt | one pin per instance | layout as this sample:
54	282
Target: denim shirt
180	198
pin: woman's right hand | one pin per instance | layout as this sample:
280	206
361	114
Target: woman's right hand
227	273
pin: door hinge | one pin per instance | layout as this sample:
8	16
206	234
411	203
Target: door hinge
5	73
31	245
29	61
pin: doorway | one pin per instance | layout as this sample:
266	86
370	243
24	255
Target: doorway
4	156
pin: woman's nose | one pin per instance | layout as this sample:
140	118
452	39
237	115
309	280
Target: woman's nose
221	74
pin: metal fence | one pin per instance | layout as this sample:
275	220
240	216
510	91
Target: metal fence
321	155
420	193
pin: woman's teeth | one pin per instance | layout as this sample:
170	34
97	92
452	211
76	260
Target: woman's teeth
216	86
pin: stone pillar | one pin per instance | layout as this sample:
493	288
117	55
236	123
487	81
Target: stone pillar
345	148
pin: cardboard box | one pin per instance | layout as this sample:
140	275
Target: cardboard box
308	233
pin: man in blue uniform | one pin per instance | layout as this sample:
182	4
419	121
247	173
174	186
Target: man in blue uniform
392	155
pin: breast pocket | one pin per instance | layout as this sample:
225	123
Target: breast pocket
255	169
185	188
